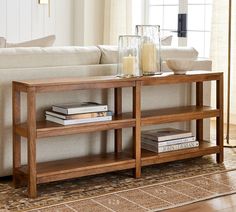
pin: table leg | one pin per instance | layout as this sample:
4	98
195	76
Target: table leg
199	102
16	104
31	120
118	111
220	119
137	128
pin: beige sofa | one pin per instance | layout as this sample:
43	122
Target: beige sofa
39	63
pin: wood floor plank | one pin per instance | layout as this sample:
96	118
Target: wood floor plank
220	204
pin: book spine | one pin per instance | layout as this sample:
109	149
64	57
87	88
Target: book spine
177	136
60	110
90	115
149	147
54	119
178	146
166	138
55	114
80	116
77	121
71	111
170	147
175	141
87	109
170	142
89	120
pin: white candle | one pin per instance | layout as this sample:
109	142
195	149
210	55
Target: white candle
129	65
149	57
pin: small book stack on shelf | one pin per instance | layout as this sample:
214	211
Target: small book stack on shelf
78	113
168	139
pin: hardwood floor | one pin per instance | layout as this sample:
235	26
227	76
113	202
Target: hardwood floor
221	204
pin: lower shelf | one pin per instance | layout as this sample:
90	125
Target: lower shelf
205	148
78	167
91	165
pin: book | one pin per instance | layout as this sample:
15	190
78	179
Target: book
77	108
77	121
165	134
79	116
169	148
169	142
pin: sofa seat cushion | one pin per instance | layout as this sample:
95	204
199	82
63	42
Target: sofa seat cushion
110	53
48	57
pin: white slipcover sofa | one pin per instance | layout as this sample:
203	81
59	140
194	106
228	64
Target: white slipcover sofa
39	63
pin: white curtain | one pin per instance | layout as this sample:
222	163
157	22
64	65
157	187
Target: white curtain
233	65
117	20
219	49
219	42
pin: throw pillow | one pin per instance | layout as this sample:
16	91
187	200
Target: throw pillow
166	41
41	42
109	54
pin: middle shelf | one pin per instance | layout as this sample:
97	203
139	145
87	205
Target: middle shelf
177	114
49	129
125	120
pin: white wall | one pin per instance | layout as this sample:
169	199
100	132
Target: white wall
25	19
89	22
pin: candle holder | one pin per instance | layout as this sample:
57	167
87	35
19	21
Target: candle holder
128	61
150	49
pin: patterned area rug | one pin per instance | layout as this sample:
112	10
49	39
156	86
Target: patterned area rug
156	197
112	192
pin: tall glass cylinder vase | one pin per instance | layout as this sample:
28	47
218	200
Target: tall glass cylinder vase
128	61
150	49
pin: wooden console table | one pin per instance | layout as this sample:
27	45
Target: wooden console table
35	173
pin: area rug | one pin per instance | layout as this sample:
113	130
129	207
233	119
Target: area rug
156	197
164	178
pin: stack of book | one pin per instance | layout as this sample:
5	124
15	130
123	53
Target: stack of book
78	113
168	139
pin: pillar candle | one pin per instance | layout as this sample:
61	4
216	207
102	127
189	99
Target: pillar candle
129	65
149	57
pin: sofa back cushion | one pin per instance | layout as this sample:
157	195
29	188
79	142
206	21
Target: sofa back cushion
48	57
169	52
110	53
41	42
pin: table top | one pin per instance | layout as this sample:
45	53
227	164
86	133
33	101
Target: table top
115	81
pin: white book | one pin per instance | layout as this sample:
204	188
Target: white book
169	148
169	142
165	134
79	116
77	108
77	121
